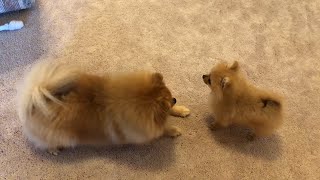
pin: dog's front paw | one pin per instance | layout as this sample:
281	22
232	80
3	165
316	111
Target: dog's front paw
251	136
172	131
54	151
214	126
184	111
180	111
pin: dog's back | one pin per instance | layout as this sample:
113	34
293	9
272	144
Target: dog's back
55	102
254	106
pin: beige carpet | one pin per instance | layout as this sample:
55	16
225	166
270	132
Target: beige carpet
277	43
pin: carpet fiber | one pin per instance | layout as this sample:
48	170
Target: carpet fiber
277	43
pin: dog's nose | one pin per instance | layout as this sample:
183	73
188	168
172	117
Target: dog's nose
174	101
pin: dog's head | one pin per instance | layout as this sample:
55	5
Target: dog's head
163	98
164	93
221	76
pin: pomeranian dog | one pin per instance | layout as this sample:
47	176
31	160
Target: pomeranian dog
62	107
235	101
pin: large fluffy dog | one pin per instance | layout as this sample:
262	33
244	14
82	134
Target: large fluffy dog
60	107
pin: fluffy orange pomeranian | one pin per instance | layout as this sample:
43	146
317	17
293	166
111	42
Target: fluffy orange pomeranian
235	101
61	106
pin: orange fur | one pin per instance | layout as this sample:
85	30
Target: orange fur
63	107
235	101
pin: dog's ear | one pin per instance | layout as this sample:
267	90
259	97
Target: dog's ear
235	66
157	78
225	82
206	79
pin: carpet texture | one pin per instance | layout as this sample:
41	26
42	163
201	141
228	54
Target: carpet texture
277	43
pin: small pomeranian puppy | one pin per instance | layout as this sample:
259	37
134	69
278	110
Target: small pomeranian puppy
61	107
235	101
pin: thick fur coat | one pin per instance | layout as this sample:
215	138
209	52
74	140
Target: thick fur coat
235	101
61	106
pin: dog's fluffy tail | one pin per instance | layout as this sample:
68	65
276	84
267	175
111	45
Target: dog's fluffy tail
45	83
